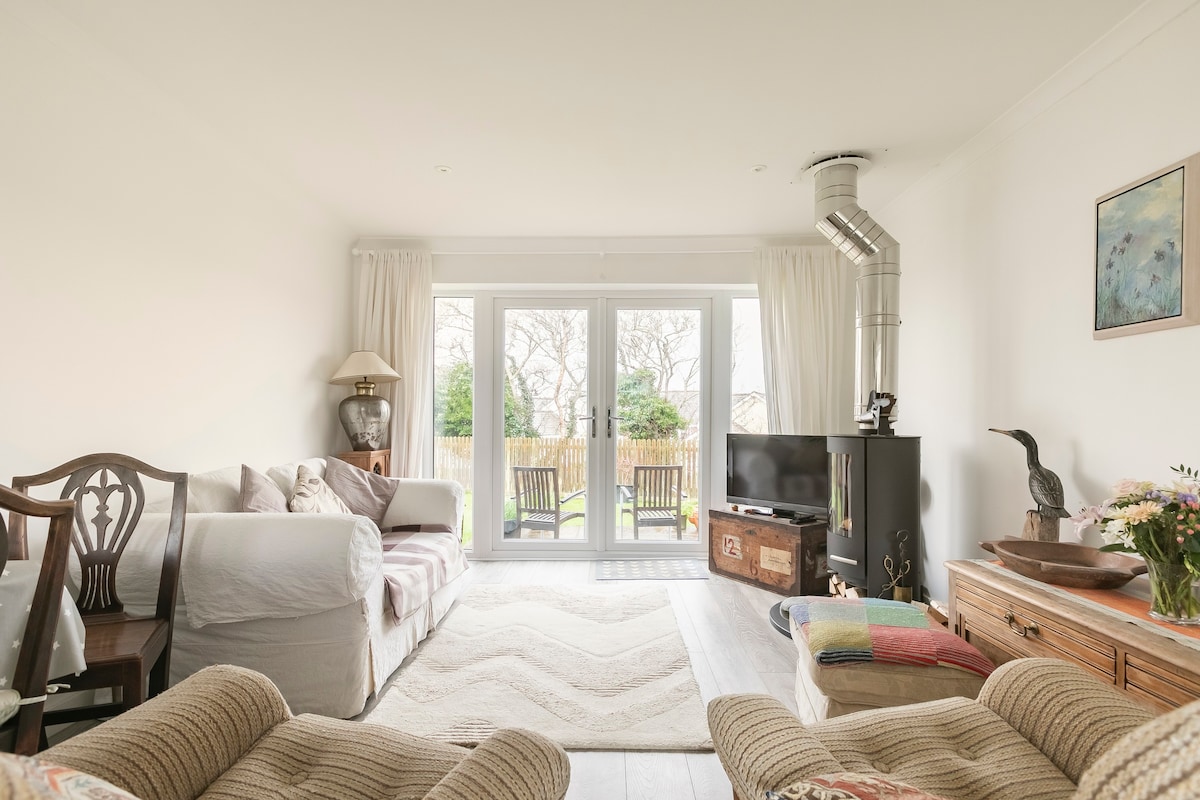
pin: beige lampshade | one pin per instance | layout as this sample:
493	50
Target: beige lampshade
364	365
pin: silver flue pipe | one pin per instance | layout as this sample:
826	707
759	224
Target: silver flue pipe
876	255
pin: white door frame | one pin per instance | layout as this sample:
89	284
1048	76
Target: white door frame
595	390
648	301
487	506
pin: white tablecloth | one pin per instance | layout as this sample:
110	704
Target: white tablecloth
16	593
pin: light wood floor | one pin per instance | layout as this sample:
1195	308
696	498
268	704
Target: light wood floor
733	648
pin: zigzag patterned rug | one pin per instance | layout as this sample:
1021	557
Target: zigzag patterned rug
596	668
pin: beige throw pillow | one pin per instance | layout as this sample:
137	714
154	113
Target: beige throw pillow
260	494
363	492
313	495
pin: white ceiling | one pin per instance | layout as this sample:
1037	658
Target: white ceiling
613	118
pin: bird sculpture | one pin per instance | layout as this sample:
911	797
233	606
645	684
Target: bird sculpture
1044	485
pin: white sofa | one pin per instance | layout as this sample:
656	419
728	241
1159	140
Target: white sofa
301	598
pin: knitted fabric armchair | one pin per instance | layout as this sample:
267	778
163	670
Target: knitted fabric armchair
1041	729
225	733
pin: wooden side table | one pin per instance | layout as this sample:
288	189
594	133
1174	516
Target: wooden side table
377	461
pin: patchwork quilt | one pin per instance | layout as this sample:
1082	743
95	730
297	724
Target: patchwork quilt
851	631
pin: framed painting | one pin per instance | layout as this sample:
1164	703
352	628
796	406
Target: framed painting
1147	242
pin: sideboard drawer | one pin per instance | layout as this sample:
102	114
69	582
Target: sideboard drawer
1030	632
1166	689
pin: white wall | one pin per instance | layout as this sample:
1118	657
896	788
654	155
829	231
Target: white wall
996	298
161	294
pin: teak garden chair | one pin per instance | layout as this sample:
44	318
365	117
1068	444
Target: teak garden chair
539	507
656	499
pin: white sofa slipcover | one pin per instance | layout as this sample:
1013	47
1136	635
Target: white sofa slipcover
300	598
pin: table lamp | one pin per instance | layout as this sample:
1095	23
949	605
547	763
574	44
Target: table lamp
365	414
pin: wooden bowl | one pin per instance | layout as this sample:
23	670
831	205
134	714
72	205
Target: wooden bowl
1066	563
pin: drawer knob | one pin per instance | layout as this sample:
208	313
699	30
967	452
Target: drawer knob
1017	628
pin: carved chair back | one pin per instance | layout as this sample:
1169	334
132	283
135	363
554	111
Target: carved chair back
110	496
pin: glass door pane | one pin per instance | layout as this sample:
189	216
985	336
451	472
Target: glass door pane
658	365
544	396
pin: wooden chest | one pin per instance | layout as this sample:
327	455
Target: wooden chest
769	553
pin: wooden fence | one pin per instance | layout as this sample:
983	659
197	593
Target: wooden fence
452	457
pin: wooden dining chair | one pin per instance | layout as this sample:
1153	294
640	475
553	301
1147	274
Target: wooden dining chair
129	654
26	697
539	506
656	499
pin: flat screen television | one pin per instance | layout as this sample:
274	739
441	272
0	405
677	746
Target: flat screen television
787	473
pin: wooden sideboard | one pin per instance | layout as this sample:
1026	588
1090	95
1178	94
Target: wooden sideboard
1007	616
770	553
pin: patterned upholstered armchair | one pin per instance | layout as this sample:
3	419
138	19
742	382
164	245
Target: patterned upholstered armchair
1041	729
225	733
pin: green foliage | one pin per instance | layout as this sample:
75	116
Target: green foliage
518	408
452	402
645	413
453	409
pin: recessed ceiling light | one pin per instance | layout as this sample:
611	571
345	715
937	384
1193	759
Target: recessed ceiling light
758	168
442	168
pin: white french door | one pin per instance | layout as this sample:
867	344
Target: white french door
599	419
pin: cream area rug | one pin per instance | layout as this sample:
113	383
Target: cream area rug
595	668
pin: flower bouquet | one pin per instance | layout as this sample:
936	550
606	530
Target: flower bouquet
1159	523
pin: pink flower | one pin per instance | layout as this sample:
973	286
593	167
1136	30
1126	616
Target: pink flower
1129	486
1179	539
1092	515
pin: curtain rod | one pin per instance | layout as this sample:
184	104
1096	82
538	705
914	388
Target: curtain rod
356	251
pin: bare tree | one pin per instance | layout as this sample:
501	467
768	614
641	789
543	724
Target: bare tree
453	331
664	341
549	348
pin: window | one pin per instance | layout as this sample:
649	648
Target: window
747	401
454	382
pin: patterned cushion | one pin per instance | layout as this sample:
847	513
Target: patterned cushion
260	494
312	495
23	778
363	492
850	786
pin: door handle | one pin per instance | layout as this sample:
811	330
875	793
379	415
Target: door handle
592	417
610	422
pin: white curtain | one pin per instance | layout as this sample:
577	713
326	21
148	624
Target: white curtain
395	319
806	301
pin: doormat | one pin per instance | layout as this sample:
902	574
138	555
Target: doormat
592	668
674	569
